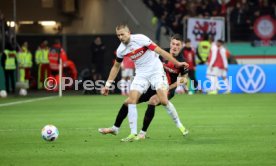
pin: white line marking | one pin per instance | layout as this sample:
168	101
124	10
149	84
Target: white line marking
26	101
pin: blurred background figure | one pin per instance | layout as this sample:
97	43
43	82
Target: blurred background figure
203	50
189	56
42	61
217	67
98	50
68	67
8	61
127	71
25	63
56	53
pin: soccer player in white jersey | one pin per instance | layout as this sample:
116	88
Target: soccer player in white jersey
149	72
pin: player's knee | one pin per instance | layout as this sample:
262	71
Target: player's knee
164	101
131	101
153	102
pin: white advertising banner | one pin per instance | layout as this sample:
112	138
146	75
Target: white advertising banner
198	27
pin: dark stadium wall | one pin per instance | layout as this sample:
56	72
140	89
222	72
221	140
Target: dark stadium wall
79	28
101	16
89	16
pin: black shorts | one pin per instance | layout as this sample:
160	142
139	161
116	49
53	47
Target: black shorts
150	92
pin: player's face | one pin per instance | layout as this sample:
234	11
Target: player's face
219	44
175	47
123	35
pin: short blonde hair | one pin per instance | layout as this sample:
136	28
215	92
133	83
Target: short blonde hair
122	26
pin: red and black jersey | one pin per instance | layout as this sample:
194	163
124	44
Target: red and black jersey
172	72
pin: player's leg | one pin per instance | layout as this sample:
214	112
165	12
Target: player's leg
138	87
161	86
132	115
122	114
212	75
149	114
172	112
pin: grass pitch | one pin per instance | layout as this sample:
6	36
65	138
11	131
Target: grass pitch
224	130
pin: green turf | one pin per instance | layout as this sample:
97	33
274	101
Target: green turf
224	130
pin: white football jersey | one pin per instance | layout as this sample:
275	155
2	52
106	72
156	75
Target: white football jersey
140	50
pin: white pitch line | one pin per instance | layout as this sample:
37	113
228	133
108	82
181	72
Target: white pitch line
26	101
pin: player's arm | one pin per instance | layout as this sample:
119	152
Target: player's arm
169	57
112	75
183	79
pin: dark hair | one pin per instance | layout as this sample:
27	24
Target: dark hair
187	40
177	37
220	41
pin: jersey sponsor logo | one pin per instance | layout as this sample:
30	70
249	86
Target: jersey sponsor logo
136	54
170	68
250	78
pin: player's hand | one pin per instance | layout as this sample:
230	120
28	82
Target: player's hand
104	91
182	64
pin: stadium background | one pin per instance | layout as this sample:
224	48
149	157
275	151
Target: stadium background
235	129
79	22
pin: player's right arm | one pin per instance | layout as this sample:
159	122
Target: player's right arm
180	81
112	75
169	57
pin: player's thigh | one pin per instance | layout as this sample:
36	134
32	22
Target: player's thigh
154	100
159	81
162	95
140	84
133	97
146	96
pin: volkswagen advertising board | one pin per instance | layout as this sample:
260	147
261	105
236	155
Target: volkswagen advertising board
245	78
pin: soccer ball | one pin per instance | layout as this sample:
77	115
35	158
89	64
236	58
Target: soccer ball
3	94
49	133
23	92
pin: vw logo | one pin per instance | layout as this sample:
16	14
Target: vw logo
250	78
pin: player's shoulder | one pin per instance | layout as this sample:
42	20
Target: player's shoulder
139	38
180	57
120	49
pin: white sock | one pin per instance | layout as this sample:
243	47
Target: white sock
132	118
172	112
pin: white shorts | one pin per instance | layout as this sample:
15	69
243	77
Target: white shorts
156	81
215	71
127	72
